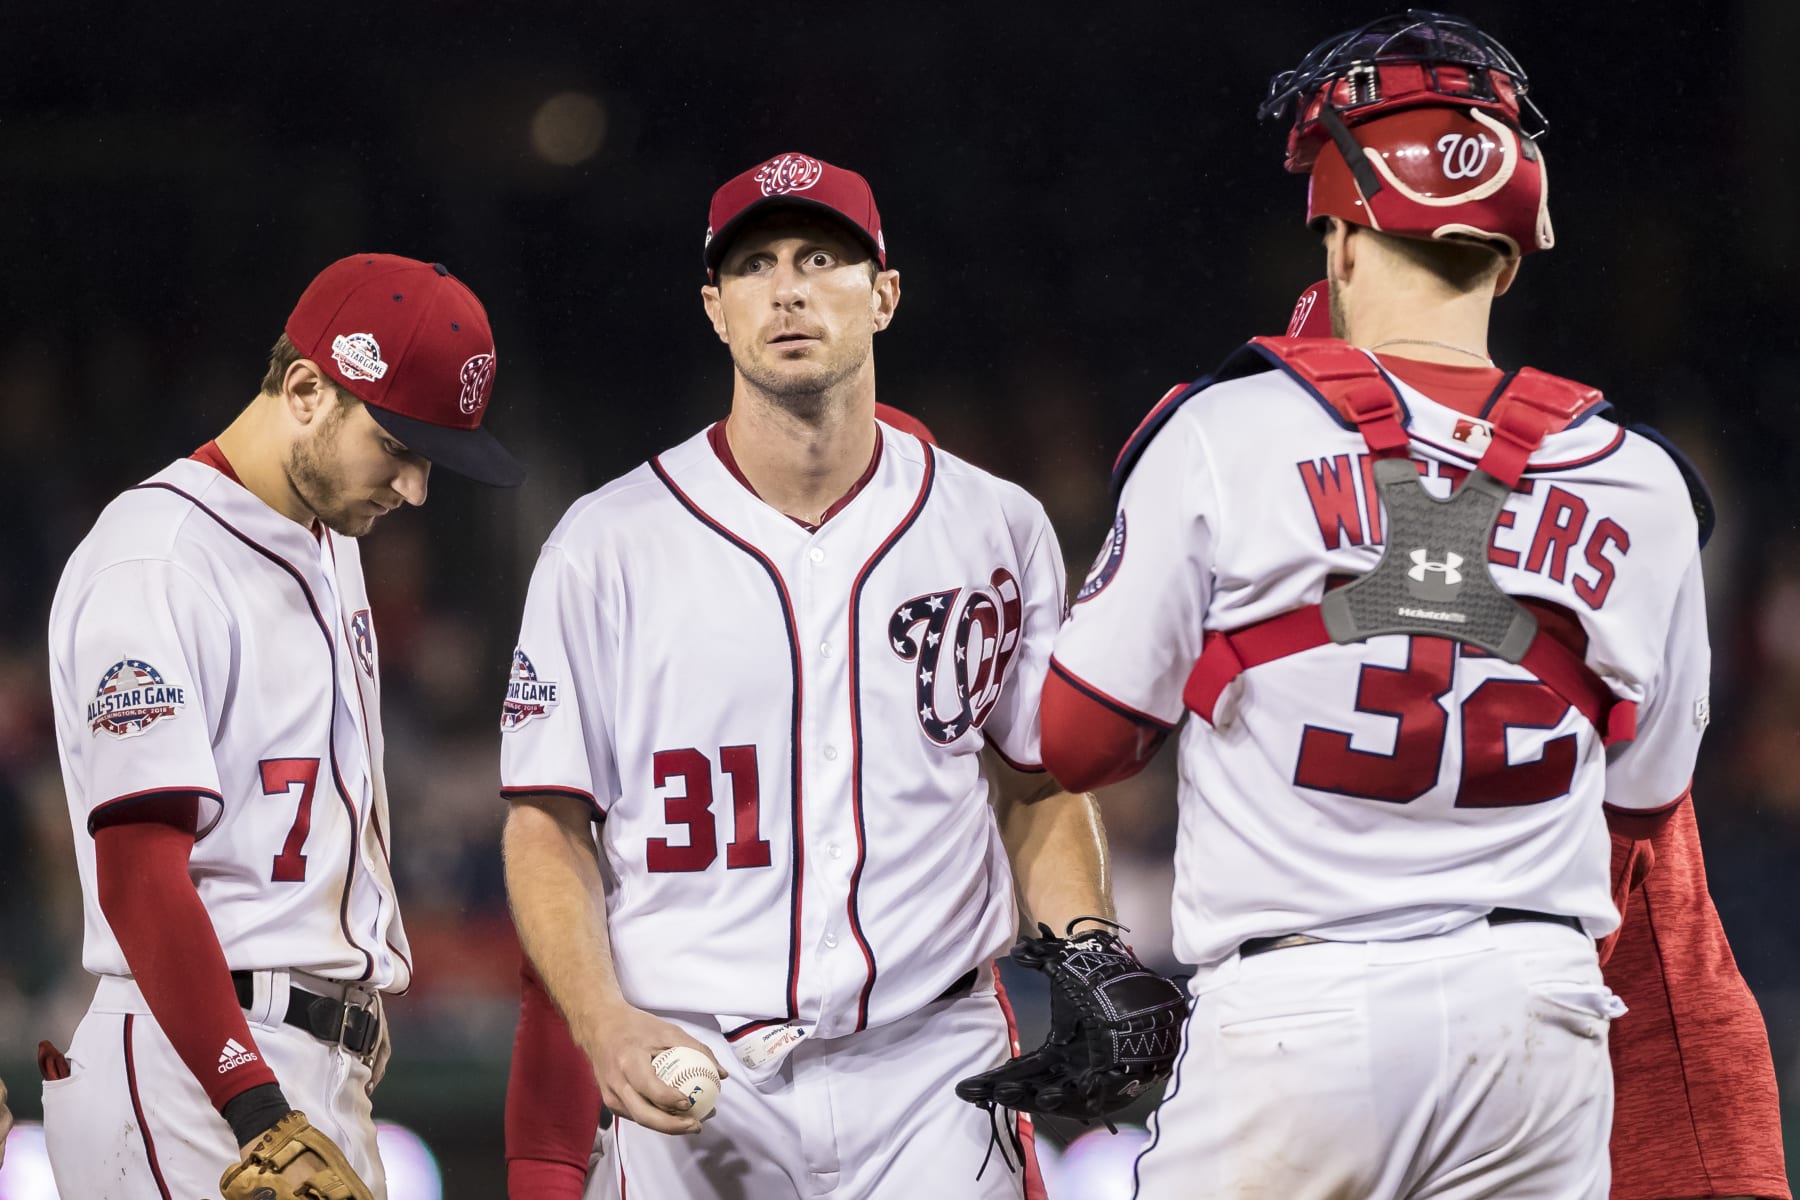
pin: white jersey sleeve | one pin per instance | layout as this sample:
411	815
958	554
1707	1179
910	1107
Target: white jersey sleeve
1653	770
1012	727
556	720
146	661
1152	577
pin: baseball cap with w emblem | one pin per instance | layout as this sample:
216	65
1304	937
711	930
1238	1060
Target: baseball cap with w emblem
411	341
794	181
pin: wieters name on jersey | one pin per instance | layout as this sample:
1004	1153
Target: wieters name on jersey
1553	533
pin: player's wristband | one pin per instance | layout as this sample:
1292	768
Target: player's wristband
251	1112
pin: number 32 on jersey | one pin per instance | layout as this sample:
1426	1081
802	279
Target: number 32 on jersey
1413	696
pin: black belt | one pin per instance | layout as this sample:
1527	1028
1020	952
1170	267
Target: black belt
1500	916
355	1027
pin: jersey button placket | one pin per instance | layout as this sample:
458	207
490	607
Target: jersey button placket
830	828
818	603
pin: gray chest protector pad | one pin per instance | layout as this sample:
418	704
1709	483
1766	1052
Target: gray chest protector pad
1433	577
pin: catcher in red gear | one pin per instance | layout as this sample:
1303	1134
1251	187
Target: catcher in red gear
1695	1110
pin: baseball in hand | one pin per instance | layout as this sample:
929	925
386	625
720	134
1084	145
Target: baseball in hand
692	1074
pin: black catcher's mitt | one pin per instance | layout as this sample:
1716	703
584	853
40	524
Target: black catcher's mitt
1114	1030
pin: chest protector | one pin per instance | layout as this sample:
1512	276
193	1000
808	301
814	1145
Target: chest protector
1433	578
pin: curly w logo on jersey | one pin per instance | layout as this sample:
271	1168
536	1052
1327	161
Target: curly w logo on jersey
987	633
132	697
527	696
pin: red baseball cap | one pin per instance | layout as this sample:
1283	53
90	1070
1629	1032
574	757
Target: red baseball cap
796	181
412	342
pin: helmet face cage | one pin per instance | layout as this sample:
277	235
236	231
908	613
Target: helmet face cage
1410	58
1416	125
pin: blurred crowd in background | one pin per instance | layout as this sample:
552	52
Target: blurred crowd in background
1083	211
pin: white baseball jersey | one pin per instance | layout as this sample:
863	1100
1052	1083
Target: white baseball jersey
1398	787
780	729
201	642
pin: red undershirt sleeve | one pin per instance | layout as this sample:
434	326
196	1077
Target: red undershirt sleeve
1088	744
1633	858
1697	1111
552	1101
162	927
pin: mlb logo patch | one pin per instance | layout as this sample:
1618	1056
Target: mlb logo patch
362	640
1474	434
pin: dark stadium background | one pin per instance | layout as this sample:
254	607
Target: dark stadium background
1083	208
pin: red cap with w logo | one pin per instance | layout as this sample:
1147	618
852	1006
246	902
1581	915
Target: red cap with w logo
412	342
794	181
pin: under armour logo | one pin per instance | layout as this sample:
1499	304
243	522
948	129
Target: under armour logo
1423	564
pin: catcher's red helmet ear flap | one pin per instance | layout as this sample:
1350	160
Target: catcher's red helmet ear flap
1444	173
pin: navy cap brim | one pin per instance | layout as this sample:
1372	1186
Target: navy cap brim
721	241
471	453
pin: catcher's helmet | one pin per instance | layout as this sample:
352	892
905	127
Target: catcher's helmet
1416	125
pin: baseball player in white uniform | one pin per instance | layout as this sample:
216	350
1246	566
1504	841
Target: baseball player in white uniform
771	665
1392	858
214	669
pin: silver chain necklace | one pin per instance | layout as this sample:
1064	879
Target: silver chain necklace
1428	342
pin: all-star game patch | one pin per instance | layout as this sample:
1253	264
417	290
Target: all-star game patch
1107	564
132	697
527	696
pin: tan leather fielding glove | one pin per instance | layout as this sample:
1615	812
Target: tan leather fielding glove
293	1161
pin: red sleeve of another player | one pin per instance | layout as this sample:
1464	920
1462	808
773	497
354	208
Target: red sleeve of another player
162	927
552	1102
905	421
1088	744
1696	1111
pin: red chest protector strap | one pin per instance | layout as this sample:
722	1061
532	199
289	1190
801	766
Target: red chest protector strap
1530	406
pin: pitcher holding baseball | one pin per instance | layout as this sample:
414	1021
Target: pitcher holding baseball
761	687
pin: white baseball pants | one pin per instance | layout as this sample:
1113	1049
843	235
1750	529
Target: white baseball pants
1467	1066
872	1116
132	1123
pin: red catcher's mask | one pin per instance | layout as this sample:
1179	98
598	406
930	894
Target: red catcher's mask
1415	125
